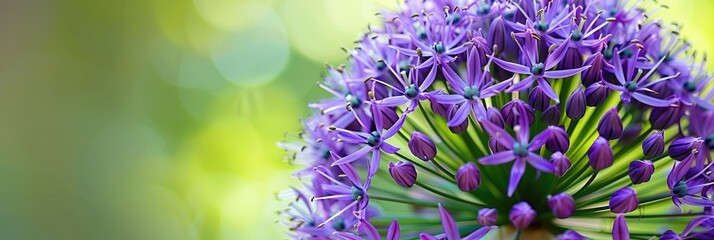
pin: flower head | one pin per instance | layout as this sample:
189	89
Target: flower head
495	136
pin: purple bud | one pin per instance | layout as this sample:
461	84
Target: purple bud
570	235
600	154
596	94
468	178
653	145
641	171
664	117
551	115
682	147
516	109
619	228
562	205
561	162
497	34
403	173
521	215
487	216
494	116
496	146
458	128
389	117
572	59
610	125
594	73
575	106
440	109
537	99
669	235
624	200
421	146
558	140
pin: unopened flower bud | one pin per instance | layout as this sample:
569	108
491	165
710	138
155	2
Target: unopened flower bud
403	173
640	171
600	154
468	177
521	215
624	200
610	125
487	216
562	205
653	145
421	146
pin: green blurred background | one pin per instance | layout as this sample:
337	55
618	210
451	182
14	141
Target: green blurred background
157	119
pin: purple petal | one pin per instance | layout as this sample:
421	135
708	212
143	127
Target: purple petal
377	116
522	85
351	173
519	167
498	134
619	228
347	236
654	102
461	114
497	88
429	79
374	164
618	68
512	67
395	128
425	236
564	73
447	222
479	233
540	163
388	148
353	157
453	78
497	158
548	90
557	54
393	101
448	99
393	232
368	229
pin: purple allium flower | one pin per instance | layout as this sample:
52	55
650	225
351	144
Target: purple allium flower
521	215
570	235
421	146
610	125
653	145
600	154
403	173
489	70
641	171
561	163
624	200
575	106
468	178
519	149
562	205
487	216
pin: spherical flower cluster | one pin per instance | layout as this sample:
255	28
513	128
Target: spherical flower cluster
448	122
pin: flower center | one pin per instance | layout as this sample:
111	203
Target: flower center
374	138
607	54
439	47
627	53
485	9
541	26
381	65
690	86
537	69
453	18
471	93
411	91
356	192
421	33
577	35
339	225
354	101
631	86
680	189
520	149
709	141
